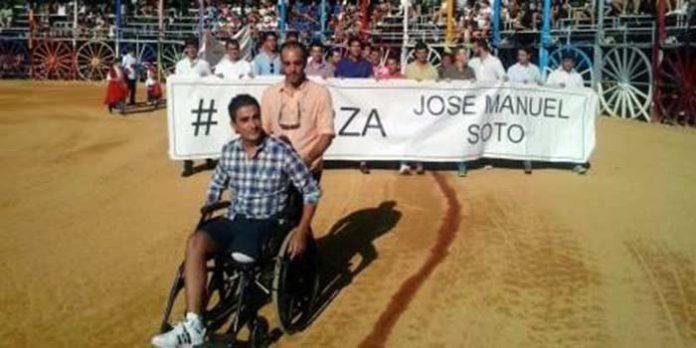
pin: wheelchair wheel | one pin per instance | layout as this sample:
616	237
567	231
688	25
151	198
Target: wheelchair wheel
295	286
218	304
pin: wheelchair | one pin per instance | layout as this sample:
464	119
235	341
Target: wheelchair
236	290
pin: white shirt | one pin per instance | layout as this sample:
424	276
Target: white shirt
560	76
489	69
129	62
524	74
233	70
196	67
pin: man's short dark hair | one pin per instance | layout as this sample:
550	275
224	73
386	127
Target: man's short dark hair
292	34
568	56
317	44
355	39
460	48
483	43
191	42
421	46
294	45
528	50
268	34
231	42
240	101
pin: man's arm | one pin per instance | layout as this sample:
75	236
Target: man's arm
218	182
319	148
325	128
266	112
501	71
257	66
302	179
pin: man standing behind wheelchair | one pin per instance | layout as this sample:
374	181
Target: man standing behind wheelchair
299	110
258	169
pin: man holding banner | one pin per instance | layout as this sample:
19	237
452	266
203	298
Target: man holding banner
525	72
232	66
191	65
267	62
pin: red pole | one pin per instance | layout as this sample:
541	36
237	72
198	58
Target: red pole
657	54
364	17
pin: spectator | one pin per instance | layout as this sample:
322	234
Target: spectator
191	65
487	67
460	69
154	90
355	66
335	58
565	75
525	72
377	67
392	70
232	66
445	63
116	90
367	50
420	69
5	16
267	62
292	37
129	63
317	66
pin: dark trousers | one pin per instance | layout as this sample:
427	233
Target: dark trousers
132	84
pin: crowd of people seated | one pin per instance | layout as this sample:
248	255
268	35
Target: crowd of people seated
472	19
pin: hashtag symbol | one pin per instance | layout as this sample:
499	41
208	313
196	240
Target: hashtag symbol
199	121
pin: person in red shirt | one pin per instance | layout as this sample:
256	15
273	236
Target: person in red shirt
116	90
154	90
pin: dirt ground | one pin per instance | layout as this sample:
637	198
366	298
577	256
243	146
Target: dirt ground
93	219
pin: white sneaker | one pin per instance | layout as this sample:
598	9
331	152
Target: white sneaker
186	334
404	169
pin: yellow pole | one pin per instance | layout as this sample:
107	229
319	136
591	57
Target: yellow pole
450	23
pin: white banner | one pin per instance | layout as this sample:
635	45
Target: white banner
405	120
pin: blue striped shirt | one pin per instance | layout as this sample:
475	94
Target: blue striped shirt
259	184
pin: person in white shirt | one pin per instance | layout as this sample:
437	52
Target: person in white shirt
191	65
129	64
525	72
565	75
232	67
487	67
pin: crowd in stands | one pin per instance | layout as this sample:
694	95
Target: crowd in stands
471	18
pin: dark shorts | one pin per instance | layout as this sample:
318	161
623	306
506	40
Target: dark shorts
242	235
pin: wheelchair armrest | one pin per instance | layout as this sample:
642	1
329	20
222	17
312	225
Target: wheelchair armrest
211	208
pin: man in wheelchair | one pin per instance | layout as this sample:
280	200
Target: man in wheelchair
258	169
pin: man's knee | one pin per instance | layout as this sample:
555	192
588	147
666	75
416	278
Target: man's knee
199	243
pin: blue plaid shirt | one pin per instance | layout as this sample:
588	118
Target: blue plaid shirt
259	185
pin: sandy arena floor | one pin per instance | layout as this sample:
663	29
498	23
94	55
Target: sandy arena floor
93	219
